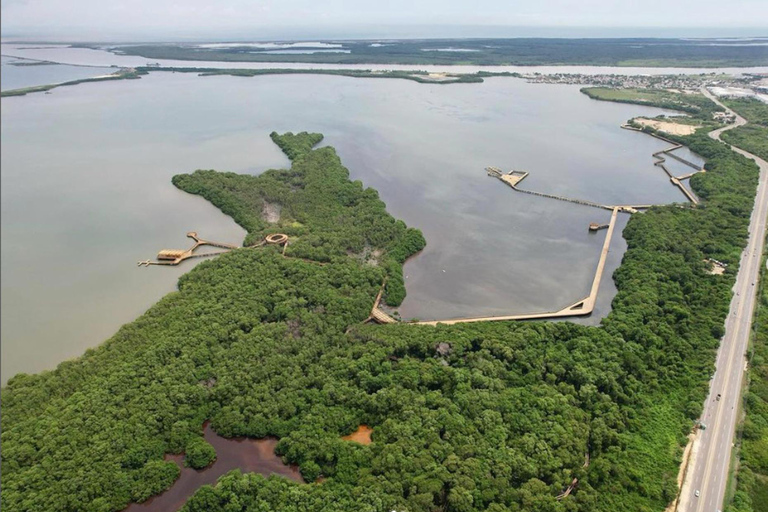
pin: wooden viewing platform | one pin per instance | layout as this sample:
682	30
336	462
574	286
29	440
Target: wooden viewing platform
176	256
377	314
512	178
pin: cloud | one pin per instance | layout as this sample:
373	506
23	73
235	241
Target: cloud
6	4
163	18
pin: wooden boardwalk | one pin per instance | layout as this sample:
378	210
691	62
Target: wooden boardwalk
660	157
513	179
586	305
174	257
675	180
581	307
377	314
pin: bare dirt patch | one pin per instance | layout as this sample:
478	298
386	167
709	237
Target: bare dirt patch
716	270
362	435
368	256
435	77
715	267
271	212
667	126
373	258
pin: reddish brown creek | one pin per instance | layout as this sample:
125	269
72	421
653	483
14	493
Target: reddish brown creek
243	453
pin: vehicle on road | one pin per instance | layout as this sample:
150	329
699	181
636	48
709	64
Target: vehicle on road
697	493
718	397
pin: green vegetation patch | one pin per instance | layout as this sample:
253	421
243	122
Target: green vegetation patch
199	453
128	74
484	52
752	109
490	416
297	145
422	77
697	105
752	137
327	216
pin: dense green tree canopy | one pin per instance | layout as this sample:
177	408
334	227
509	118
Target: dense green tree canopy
263	344
752	137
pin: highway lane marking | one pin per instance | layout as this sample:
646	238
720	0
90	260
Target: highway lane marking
718	414
740	287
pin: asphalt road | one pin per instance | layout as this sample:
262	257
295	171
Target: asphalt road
708	469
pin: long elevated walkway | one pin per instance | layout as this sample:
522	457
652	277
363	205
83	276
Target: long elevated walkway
514	178
566	199
586	305
660	157
683	160
581	307
174	257
675	180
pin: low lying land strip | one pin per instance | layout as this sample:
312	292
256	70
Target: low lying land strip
421	77
694	104
125	74
483	52
667	126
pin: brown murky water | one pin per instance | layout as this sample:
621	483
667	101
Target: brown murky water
362	435
243	453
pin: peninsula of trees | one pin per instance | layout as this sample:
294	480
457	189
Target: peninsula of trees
502	417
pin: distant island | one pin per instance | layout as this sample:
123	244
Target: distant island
636	52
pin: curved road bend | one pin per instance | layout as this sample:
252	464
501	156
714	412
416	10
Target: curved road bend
708	469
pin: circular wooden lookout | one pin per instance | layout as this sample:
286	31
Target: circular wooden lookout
276	238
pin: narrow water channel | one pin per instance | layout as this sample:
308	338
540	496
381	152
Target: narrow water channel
243	453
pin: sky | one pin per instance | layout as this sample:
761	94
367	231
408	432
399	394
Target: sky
168	20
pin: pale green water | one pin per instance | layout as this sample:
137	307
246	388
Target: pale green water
86	190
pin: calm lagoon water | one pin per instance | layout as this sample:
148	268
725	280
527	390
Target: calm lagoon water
86	190
16	77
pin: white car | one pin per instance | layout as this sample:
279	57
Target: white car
696	493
